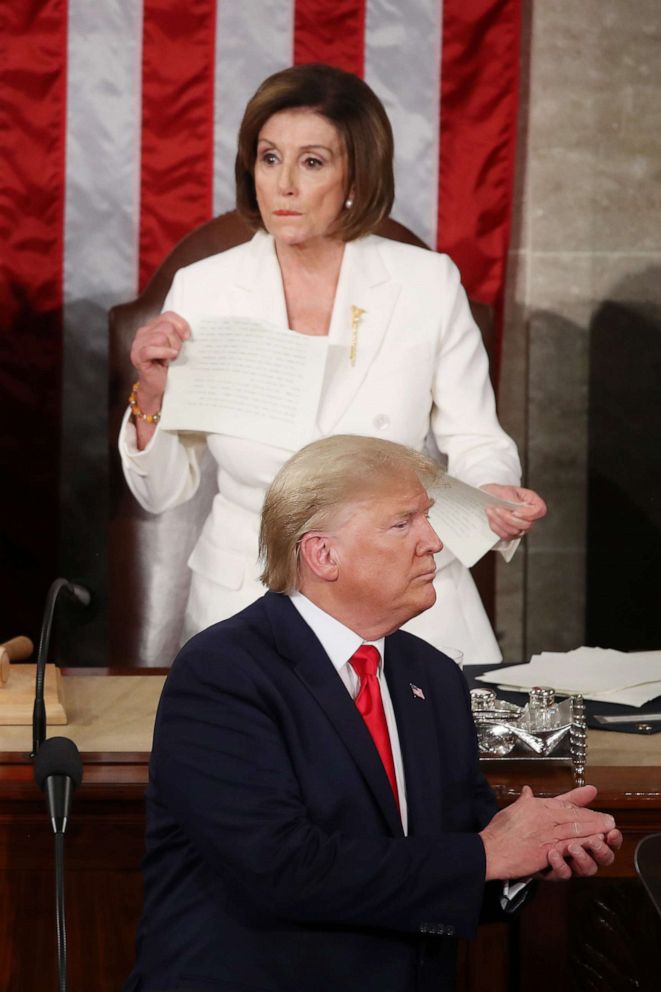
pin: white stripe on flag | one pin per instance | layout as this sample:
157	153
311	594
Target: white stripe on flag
100	257
402	65
254	38
103	149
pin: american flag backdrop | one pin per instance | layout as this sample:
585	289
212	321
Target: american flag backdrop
117	136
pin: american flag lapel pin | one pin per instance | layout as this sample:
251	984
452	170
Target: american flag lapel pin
417	692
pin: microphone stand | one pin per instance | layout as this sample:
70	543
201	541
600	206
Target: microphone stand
57	765
39	712
60	913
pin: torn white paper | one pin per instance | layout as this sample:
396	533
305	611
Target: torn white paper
458	517
246	378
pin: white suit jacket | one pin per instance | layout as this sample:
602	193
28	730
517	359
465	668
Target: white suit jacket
420	369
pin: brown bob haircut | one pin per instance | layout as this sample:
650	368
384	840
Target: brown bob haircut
357	113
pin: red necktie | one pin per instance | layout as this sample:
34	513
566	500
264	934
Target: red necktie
365	663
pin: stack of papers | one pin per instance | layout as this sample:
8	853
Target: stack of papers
605	675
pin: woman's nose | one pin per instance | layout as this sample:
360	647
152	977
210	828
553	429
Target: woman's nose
286	180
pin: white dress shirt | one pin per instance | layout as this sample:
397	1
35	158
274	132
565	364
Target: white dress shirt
340	644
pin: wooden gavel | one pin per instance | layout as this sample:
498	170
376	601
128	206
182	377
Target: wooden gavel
17	649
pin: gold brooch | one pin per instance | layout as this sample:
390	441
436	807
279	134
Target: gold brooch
356	317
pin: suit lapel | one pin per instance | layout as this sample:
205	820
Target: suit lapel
418	737
258	291
366	283
296	641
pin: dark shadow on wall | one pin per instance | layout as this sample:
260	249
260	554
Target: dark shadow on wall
53	488
30	354
623	564
83	530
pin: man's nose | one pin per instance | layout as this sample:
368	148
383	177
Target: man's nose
429	540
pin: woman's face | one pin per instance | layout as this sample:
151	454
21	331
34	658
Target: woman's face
300	176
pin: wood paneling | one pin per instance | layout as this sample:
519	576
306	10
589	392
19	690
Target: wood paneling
568	937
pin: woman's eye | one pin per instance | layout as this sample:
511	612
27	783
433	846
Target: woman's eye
312	162
269	158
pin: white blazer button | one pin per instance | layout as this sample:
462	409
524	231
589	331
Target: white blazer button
381	421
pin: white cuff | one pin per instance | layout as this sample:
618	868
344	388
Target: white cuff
514	893
128	443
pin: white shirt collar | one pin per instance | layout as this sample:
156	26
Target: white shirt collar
338	641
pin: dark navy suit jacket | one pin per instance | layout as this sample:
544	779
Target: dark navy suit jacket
276	860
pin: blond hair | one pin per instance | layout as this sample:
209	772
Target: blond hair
319	481
362	123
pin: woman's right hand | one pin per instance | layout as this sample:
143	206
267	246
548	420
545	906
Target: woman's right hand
156	344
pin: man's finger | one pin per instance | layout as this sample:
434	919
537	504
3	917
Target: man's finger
602	822
614	839
575	827
560	870
581	796
582	862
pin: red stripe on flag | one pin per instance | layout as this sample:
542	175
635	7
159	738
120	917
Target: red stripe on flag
479	103
177	124
32	148
330	32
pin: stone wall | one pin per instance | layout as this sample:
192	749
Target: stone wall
583	323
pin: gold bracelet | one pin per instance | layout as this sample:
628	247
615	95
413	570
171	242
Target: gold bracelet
149	418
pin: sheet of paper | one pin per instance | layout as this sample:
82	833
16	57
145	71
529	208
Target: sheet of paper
634	696
246	378
459	519
628	678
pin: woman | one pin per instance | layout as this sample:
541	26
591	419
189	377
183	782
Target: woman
314	178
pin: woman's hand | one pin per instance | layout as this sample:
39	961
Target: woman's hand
510	524
156	344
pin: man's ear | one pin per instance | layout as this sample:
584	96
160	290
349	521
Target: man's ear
316	552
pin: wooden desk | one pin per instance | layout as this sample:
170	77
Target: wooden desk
597	934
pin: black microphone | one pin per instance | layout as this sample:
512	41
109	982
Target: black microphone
58	770
82	596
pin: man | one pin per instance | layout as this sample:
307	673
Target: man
317	819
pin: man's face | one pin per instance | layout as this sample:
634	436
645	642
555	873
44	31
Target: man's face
384	550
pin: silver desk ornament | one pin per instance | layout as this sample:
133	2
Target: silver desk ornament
542	729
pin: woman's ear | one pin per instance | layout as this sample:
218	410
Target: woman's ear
316	553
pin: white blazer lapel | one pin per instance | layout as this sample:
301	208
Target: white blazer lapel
366	283
258	291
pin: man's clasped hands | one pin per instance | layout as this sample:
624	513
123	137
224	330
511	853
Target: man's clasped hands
551	838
